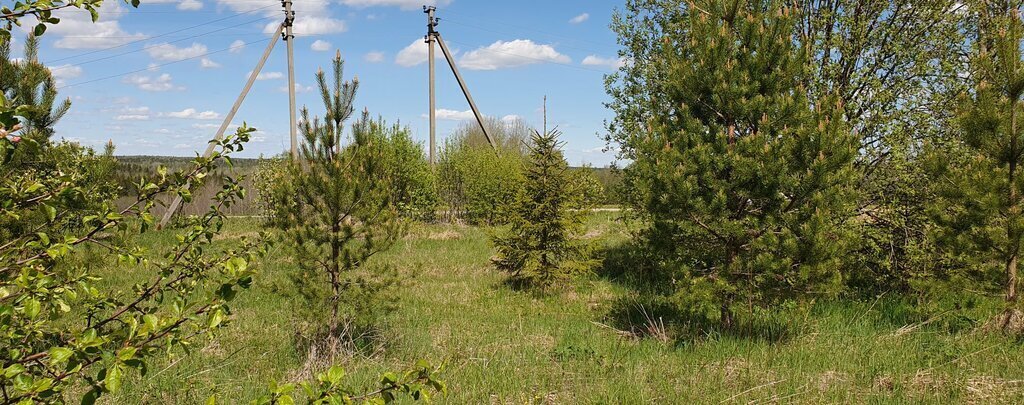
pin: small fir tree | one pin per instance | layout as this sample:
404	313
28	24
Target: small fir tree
744	183
542	246
335	201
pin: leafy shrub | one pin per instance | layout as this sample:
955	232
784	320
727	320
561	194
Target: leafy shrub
479	185
266	180
413	185
329	388
58	330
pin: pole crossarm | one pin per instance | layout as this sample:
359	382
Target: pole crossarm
432	37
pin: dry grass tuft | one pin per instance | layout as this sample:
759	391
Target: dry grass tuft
988	389
830	379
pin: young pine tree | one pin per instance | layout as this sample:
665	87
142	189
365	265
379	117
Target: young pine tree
542	247
978	175
743	182
28	82
334	202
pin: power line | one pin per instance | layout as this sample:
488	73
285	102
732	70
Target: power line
157	66
148	47
157	36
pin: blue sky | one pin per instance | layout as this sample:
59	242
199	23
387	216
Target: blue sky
152	82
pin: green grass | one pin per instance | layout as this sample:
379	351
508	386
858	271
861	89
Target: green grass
504	346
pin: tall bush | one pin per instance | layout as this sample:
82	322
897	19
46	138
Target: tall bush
478	183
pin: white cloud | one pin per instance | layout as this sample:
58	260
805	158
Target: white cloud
404	4
152	83
63	73
511	118
168	52
520	52
212	126
192	113
237	46
186	5
594	60
190	5
320	46
133	114
374	57
299	88
301	7
267	75
311	25
77	31
580	18
416	53
206	63
453	115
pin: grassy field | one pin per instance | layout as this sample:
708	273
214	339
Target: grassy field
505	346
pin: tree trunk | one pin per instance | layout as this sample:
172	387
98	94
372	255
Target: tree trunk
726	319
335	271
1012	234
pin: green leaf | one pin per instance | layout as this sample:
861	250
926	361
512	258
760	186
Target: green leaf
150	321
335	374
39	30
216	318
112	382
51	212
126	353
60	354
90	397
32	308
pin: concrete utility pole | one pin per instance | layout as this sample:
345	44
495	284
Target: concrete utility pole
227	119
433	35
289	20
431	23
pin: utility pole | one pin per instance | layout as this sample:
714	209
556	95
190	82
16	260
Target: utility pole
289	38
171	209
432	36
431	23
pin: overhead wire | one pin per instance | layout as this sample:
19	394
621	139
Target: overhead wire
159	35
148	47
149	68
